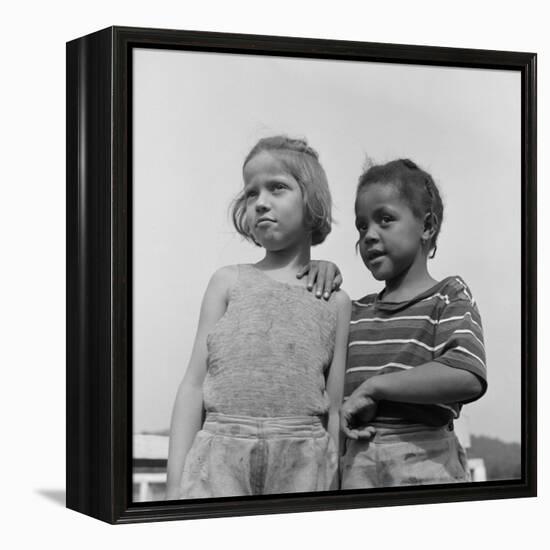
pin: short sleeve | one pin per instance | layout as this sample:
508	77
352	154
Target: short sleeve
459	339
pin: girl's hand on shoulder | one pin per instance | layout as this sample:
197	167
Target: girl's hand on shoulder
322	277
355	414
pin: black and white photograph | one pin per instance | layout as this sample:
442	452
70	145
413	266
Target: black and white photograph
273	275
326	275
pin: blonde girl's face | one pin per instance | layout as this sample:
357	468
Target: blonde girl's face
274	203
390	235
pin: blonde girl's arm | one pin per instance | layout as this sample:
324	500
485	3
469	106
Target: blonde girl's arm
335	380
188	406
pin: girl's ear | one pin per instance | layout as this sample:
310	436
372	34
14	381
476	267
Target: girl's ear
430	226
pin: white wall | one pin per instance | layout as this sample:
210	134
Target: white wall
32	221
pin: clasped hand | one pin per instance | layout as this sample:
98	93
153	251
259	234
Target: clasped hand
355	414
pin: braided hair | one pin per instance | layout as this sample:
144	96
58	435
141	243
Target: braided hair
414	185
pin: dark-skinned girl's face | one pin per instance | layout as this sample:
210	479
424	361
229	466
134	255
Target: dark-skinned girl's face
390	235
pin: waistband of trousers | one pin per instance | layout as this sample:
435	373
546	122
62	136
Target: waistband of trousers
259	427
410	433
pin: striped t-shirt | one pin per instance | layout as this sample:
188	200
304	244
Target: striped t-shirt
442	324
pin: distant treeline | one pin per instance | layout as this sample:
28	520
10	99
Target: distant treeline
502	460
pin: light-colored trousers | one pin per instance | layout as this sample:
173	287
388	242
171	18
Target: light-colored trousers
404	456
243	455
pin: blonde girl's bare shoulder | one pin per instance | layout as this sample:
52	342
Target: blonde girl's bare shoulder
224	278
342	301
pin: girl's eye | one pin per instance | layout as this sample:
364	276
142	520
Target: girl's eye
385	219
250	194
279	186
361	227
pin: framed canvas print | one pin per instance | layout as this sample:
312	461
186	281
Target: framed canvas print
301	274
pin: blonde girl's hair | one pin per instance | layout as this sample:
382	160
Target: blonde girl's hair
302	162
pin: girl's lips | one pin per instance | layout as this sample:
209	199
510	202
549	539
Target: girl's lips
374	255
263	221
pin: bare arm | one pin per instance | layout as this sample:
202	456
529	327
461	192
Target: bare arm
335	381
456	375
429	383
187	411
426	384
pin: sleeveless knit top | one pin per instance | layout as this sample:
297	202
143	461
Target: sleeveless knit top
268	355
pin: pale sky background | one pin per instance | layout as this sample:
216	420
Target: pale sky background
196	116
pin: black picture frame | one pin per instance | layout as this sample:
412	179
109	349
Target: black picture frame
99	278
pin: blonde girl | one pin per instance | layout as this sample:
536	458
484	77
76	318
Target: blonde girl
257	410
